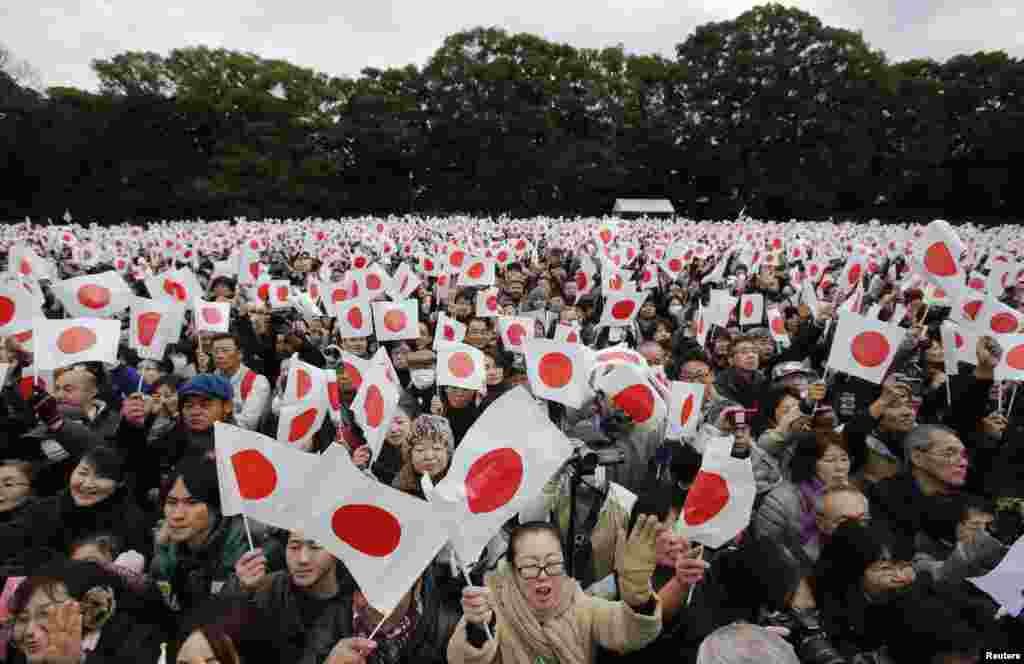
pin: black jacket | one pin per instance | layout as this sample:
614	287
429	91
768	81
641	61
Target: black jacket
899	504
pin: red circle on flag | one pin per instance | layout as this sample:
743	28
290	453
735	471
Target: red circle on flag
353	375
22	337
304	383
254	269
456	258
516	332
675	265
581	280
476	270
355	318
939	294
708	495
606	235
520	245
394	320
254	244
1003	323
368	529
623	309
147	325
977	284
25	267
1015	358
502	256
428	265
492	303
555	369
264	292
958	340
647	276
748	309
778	326
405	282
212	315
359	262
334	395
339	295
93	296
938	260
617	355
175	290
493	480
76	339
282	293
256	475
573	337
854	274
374	406
687	410
461	365
6	310
373	282
971	309
301	424
870	349
449	333
637	401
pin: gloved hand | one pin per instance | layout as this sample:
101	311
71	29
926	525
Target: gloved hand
45	408
638	562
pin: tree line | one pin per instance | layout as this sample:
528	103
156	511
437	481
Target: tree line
772	112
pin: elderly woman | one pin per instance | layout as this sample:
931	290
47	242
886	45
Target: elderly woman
788	515
428	451
532	612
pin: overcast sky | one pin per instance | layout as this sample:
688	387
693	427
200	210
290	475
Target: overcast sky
60	37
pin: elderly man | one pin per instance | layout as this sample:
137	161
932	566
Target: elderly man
741	643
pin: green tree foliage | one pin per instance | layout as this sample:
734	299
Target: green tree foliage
772	111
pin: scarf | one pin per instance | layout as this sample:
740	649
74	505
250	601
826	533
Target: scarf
391	644
809	492
553	633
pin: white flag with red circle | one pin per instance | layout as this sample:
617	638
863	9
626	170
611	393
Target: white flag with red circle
864	347
487	303
430	266
1003	275
280	294
394	321
995	318
558	371
1011	364
619	354
374	406
448	331
41	378
386	538
684	409
461	365
360	261
211	316
777	326
333	294
614	280
721	499
751	309
250	269
261	478
305	404
23	262
965	306
102	295
507	456
514	331
178	286
455	260
59	343
954	346
477	271
355	368
354	319
585	276
647	276
376	282
620	309
627	387
569	334
852	274
403	283
939	249
153	325
17	309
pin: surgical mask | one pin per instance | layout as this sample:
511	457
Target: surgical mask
676	309
422	378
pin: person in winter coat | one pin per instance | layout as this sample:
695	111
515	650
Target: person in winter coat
228	630
16	502
428	450
743	382
531	612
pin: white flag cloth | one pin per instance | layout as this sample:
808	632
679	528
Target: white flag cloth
1005	583
487	303
59	343
953	342
1011	364
448	331
684	409
460	365
995	318
621	308
503	463
395	321
179	286
305	403
260	477
211	316
863	347
17	309
376	282
153	325
402	283
515	331
630	391
558	371
478	271
385	537
940	249
250	270
102	295
280	294
374	406
751	309
777	326
354	319
720	500
569	334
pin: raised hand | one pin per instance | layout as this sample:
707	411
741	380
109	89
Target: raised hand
476	605
64	624
638	562
251	570
351	651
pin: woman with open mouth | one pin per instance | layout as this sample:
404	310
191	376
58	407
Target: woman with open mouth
530	611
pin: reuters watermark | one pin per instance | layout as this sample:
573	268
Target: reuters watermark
1003	656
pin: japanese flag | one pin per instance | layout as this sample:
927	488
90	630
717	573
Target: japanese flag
429	265
212	316
852	274
24	262
965	305
448	331
721	499
385	537
954	346
59	343
703	326
863	347
620	309
648	277
374	406
354	319
1011	364
478	271
503	256
557	371
178	286
629	390
153	325
403	283
1000	277
354	368
395	321
506	458
487	303
17	309
674	261
360	261
751	309
777	325
569	334
333	294
261	478
515	331
42	378
620	354
460	365
684	409
996	318
305	405
376	282
614	280
585	277
940	249
280	294
455	260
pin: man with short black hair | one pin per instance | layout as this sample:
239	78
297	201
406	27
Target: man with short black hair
251	390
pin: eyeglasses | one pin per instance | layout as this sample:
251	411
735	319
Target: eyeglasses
950	456
533	571
891	568
695	375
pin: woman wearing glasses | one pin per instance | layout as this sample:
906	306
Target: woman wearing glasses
531	612
16	500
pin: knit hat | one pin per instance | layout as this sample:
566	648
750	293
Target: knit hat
433	426
207	385
199	475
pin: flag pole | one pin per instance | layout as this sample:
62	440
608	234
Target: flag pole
949	396
469	582
1013	397
379	625
999	399
248	533
689	594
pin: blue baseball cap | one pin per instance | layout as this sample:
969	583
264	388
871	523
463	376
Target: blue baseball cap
207	385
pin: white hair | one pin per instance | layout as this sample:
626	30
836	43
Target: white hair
742	643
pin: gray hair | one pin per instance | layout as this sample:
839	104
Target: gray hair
741	643
922	436
819	502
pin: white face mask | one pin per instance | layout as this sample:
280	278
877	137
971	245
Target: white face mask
675	309
422	378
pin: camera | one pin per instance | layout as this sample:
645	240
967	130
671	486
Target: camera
585	459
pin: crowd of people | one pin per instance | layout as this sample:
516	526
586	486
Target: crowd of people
875	502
